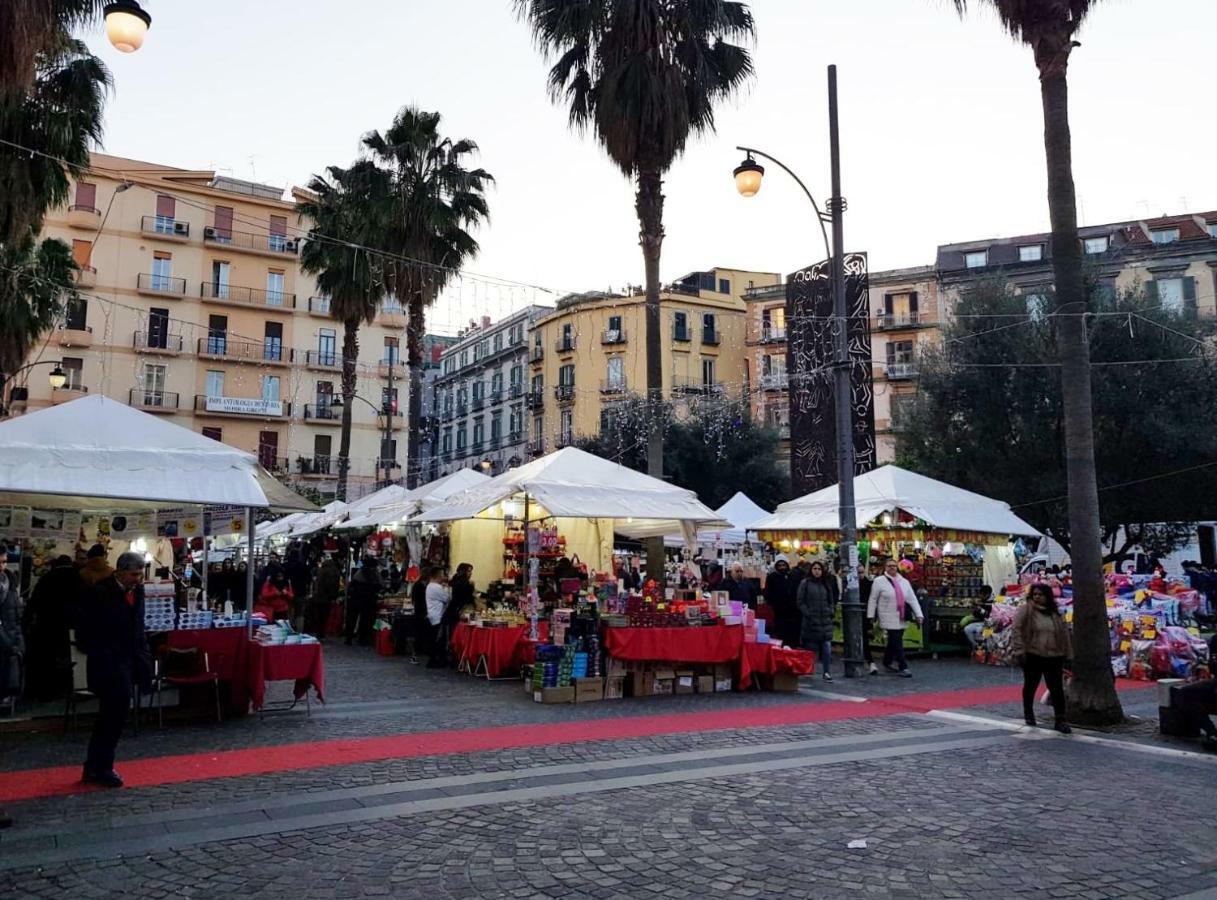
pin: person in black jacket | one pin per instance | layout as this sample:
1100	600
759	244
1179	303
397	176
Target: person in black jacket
112	634
49	615
363	597
422	628
739	587
781	590
462	599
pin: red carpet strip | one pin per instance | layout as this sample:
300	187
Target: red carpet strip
28	784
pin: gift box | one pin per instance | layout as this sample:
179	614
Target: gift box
588	689
555	695
684	681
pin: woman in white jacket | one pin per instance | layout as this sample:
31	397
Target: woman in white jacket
890	596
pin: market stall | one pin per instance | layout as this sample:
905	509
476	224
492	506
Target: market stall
954	541
741	514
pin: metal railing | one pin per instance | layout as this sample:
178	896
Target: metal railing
899	320
535	399
613	385
478	402
775	381
682	334
565	344
536	448
613	336
710	336
564	393
462	409
536	354
320	305
328	359
772	333
693	386
81	207
153	399
314	465
243	351
900	370
162	284
245	240
147	341
247	296
322	411
164	225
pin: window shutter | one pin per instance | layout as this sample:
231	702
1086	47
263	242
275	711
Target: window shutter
223	219
887	304
86	195
1151	291
278	225
913	302
166	206
1189	297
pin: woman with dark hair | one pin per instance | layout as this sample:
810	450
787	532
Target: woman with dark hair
274	602
817	599
1040	643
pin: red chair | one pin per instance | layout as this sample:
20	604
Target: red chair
184	668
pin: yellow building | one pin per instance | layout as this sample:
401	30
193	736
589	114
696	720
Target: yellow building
195	307
589	355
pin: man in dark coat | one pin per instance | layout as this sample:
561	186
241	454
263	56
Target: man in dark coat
50	614
329	583
781	592
112	634
740	588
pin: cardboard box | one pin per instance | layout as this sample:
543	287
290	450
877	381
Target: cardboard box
555	695
785	682
704	684
723	670
723	685
614	687
588	689
661	686
667	673
684	681
640	684
616	666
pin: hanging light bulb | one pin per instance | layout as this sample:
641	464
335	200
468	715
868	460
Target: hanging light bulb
126	24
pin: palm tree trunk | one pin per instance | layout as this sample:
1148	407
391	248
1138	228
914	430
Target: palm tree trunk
414	361
350	356
649	206
1092	693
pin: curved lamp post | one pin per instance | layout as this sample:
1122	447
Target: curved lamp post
387	411
127	24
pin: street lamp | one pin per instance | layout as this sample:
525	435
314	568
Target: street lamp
58	377
485	465
126	24
748	176
336	402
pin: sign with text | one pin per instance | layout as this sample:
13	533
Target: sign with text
248	406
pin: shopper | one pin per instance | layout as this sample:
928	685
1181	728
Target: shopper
111	633
462	595
817	600
438	598
739	588
1198	701
422	628
865	583
49	616
96	569
329	582
974	623
275	599
363	597
781	593
240	586
12	641
892	599
395	578
1039	642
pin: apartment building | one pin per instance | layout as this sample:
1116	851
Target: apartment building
589	355
479	394
194	307
434	346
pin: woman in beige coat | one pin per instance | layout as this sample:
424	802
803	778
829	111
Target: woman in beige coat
1040	643
891	598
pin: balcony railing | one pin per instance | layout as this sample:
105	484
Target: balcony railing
535	399
478	402
702	388
169	343
514	437
613	336
225	347
900	370
564	439
319	305
565	344
493	443
771	334
247	296
277	244
323	359
277	464
710	336
536	354
565	393
241	406
515	391
494	397
447	415
889	321
612	386
537	447
84	208
160	284
165	226
462	409
776	381
323	411
146	399
681	333
476	448
461	452
316	465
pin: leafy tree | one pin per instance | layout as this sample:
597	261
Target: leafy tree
434	201
346	210
35	282
645	75
1049	27
989	417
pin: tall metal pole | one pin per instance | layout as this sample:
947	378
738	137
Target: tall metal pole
384	451
851	609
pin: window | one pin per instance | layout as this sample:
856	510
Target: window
517	375
497	343
977	259
1213	229
496	427
1096	244
327	347
166	209
567	425
153	382
82	253
774	364
773	324
538	384
388	453
219	279
73	367
278	233
158	328
899	358
516	423
215	384
461	442
446	441
566	375
496	385
216	434
77	314
323	448
392	352
270	388
1037	307
707	373
274	287
538	428
479	433
217	335
268	449
680	326
616	373
1164	235
86	196
568	336
709	330
388	399
614	325
1175	294
1031	253
272	342
464	358
325	399
162	271
222	231
724	286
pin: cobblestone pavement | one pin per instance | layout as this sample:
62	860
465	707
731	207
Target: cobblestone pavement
947	808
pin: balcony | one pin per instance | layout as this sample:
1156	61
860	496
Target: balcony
536	354
564	393
241	407
565	439
514	437
613	386
515	391
478	402
461	452
683	335
325	360
898	321
161	344
166	228
277	246
315	466
612	336
775	381
391	366
565	344
773	334
391	316
493	443
73	390
81	216
900	371
534	399
319	306
322	414
280	465
447	415
537	447
697	387
710	337
160	286
383	421
75	334
494	398
462	409
153	401
85	277
233	295
476	448
219	346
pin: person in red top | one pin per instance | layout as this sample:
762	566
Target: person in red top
275	600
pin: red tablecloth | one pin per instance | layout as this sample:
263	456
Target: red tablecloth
227	652
769	659
301	663
707	644
502	648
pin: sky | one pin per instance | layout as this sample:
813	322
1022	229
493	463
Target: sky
941	127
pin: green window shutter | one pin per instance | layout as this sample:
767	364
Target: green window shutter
1189	297
1151	291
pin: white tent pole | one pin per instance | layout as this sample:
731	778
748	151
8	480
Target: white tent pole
534	599
206	544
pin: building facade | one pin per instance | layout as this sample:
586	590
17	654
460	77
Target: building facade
479	394
588	356
194	306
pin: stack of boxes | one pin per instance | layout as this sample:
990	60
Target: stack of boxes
235	620
158	607
194	621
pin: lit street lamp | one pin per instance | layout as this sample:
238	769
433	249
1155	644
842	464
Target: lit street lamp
126	24
748	176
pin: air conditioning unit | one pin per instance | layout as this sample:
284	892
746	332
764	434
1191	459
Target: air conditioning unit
209	233
291	247
181	228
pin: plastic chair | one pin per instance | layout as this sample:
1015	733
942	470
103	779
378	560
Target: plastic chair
80	682
192	667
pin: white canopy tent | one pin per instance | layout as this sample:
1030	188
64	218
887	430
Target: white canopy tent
740	512
409	503
330	513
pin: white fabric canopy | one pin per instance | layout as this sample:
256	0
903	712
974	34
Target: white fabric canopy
406	503
572	483
740	511
330	513
890	488
98	454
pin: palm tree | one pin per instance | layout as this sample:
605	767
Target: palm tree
344	211
29	28
35	287
645	75
435	201
1048	27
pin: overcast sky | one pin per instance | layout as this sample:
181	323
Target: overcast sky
941	126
